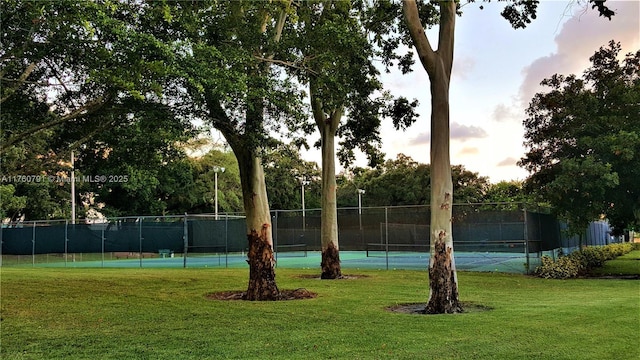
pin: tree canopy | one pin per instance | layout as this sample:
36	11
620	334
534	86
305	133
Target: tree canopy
583	140
83	76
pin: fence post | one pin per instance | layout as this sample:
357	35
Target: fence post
185	235
102	239
526	242
275	236
66	241
140	238
1	231
386	235
226	240
33	246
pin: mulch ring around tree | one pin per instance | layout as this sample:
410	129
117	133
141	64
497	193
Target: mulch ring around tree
296	294
419	308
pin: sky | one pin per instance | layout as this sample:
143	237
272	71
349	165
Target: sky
496	72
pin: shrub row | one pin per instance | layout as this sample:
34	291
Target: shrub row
580	262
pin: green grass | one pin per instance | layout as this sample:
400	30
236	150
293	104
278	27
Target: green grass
164	314
628	264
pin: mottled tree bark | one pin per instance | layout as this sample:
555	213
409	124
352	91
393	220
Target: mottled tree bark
328	126
443	282
262	278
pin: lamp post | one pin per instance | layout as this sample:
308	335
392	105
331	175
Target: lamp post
360	192
216	170
303	182
73	190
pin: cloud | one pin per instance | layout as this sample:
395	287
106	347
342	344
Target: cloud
468	151
580	37
420	139
457	132
510	161
464	132
504	113
463	66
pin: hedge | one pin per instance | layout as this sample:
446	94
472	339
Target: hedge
581	262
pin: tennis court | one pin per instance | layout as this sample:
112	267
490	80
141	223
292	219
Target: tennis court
351	260
374	238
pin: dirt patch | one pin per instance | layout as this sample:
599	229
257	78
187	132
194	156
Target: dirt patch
421	308
296	294
342	277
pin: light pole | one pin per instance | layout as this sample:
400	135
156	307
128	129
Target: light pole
360	192
73	190
216	170
303	182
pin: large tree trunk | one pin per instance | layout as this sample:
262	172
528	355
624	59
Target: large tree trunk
246	143
329	217
262	277
443	281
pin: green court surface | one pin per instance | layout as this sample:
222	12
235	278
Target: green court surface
469	261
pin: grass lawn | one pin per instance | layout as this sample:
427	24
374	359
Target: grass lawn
628	264
164	314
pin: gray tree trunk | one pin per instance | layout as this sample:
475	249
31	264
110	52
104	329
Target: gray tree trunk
443	280
328	126
262	277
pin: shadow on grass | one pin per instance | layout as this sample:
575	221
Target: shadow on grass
420	308
296	294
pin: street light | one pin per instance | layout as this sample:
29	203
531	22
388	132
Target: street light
73	189
360	192
216	170
303	182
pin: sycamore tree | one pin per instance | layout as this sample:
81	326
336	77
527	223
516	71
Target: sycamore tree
226	54
406	25
326	47
583	140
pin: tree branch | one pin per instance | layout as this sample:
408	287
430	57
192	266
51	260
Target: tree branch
316	104
425	52
280	24
19	82
85	110
446	33
222	122
287	64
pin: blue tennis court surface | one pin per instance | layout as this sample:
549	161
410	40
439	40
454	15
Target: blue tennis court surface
470	261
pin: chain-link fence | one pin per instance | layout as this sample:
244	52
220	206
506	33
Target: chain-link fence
486	238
